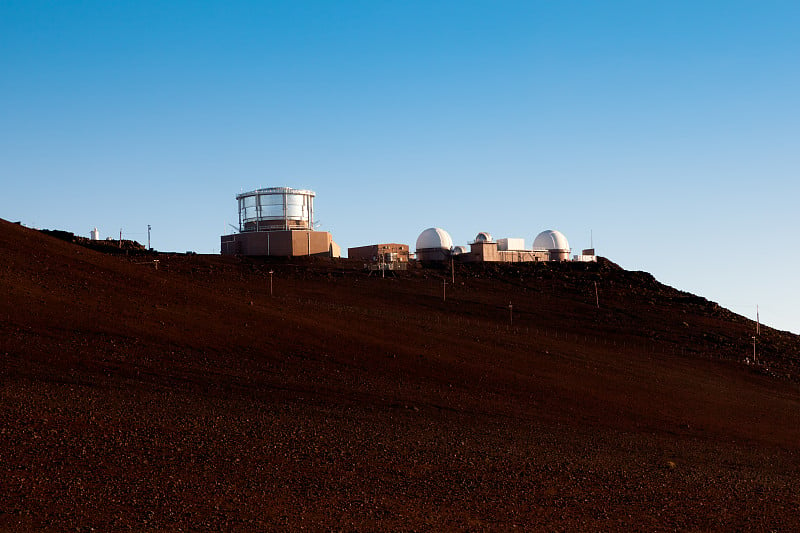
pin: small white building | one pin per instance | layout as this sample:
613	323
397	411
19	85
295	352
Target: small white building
587	256
511	244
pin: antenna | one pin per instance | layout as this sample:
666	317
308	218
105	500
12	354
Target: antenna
758	322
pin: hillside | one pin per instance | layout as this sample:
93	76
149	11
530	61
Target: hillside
187	396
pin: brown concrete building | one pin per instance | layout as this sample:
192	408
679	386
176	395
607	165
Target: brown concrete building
280	243
487	251
386	253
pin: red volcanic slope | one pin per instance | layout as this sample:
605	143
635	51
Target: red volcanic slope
187	397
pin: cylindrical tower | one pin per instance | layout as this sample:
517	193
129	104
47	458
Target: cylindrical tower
276	209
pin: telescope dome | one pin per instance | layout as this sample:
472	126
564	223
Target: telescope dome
434	238
550	240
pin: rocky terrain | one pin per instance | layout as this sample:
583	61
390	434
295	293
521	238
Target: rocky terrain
189	397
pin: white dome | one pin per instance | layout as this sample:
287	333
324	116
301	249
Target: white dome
434	238
458	250
550	240
484	236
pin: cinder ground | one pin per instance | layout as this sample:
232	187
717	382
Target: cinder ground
188	398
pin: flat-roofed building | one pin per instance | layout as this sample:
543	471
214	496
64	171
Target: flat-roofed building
385	252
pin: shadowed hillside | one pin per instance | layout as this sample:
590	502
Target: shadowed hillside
187	396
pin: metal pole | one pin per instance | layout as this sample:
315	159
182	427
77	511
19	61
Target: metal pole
270	283
120	237
511	314
310	201
596	296
444	290
148	236
258	211
758	323
453	270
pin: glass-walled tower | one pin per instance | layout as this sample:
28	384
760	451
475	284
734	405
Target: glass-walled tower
276	209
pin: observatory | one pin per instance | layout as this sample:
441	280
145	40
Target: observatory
276	208
554	243
434	244
508	250
278	221
483	236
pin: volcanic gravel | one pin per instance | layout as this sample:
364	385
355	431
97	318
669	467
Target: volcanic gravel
187	397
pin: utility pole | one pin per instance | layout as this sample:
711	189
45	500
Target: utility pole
270	283
596	296
148	237
453	270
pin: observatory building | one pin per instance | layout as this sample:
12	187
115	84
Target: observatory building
554	243
434	244
509	250
278	221
484	236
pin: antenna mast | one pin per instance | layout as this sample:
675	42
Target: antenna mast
758	322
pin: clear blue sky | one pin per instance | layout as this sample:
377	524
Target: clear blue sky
669	129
